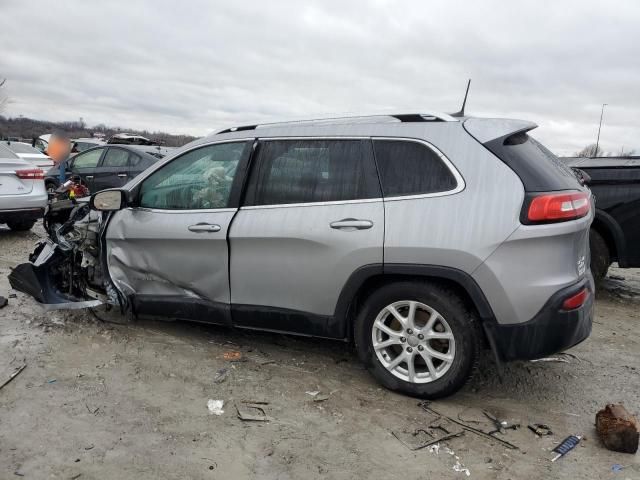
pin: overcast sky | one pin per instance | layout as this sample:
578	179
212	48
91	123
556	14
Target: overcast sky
195	66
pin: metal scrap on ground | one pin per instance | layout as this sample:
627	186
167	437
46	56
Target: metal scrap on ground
14	375
618	429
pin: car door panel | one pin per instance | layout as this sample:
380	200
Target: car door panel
290	261
169	253
85	164
113	171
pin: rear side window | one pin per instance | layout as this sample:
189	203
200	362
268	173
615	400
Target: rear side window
411	168
538	168
116	157
306	171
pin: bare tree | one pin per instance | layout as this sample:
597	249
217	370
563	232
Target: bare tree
4	100
589	151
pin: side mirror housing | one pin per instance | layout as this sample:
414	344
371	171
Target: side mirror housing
108	200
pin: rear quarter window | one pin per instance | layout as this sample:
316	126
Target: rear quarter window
411	168
538	168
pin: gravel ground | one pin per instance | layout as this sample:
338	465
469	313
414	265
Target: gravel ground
107	401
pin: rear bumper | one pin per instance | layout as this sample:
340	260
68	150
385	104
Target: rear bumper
21	215
551	331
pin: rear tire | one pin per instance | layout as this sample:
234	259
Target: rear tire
600	256
437	312
21	226
51	187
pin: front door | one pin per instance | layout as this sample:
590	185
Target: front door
313	215
169	253
84	165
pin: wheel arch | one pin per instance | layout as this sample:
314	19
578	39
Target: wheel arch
371	277
612	234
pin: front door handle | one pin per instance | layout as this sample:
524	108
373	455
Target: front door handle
204	227
351	224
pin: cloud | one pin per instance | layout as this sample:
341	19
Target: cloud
195	66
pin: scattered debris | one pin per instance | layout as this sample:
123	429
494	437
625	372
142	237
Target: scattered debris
425	406
13	295
501	425
618	429
89	447
540	429
253	412
566	446
233	356
321	398
221	375
3	302
458	467
75	477
550	359
313	393
53	380
616	467
215	407
94	411
14	375
435	449
437	431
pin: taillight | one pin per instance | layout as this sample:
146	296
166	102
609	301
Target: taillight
577	300
30	174
558	207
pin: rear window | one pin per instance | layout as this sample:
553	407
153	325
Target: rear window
411	168
538	168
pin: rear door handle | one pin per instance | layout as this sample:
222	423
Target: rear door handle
122	175
351	224
204	227
88	177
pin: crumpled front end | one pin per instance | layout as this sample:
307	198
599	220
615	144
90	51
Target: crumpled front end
65	270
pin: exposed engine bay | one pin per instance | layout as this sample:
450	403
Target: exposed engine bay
65	271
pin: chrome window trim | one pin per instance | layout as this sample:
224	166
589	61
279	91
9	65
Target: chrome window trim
460	183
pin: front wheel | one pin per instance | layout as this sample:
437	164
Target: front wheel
418	338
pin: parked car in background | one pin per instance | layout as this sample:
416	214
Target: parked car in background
615	233
22	193
31	154
42	143
103	167
79	145
421	237
129	139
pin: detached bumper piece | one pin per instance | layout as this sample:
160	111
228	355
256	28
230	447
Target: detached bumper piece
552	330
36	278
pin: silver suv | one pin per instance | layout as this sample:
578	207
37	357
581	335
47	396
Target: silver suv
423	238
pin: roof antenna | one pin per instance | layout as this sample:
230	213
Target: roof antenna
464	102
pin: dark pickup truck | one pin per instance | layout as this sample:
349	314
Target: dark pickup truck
615	232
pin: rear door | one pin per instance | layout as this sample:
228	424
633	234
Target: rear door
85	164
113	171
313	215
170	252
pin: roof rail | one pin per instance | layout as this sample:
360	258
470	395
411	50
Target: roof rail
402	117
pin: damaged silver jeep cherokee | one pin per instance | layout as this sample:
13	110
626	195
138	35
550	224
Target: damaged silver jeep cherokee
421	237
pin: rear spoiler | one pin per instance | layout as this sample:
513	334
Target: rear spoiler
487	129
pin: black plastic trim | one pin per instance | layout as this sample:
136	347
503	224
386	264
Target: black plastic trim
550	331
262	317
182	308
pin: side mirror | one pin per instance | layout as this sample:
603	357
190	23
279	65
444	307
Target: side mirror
108	200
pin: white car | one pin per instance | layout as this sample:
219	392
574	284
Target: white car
23	196
31	154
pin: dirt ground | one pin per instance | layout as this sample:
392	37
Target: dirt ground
103	401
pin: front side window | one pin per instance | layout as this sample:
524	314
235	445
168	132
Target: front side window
305	171
199	179
87	160
411	168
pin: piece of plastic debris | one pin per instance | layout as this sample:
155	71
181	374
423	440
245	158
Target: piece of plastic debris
458	467
550	359
616	467
321	398
566	446
435	449
313	393
233	356
252	412
221	375
16	372
618	429
3	302
215	407
53	380
540	429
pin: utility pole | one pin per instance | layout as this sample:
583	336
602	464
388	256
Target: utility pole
595	154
